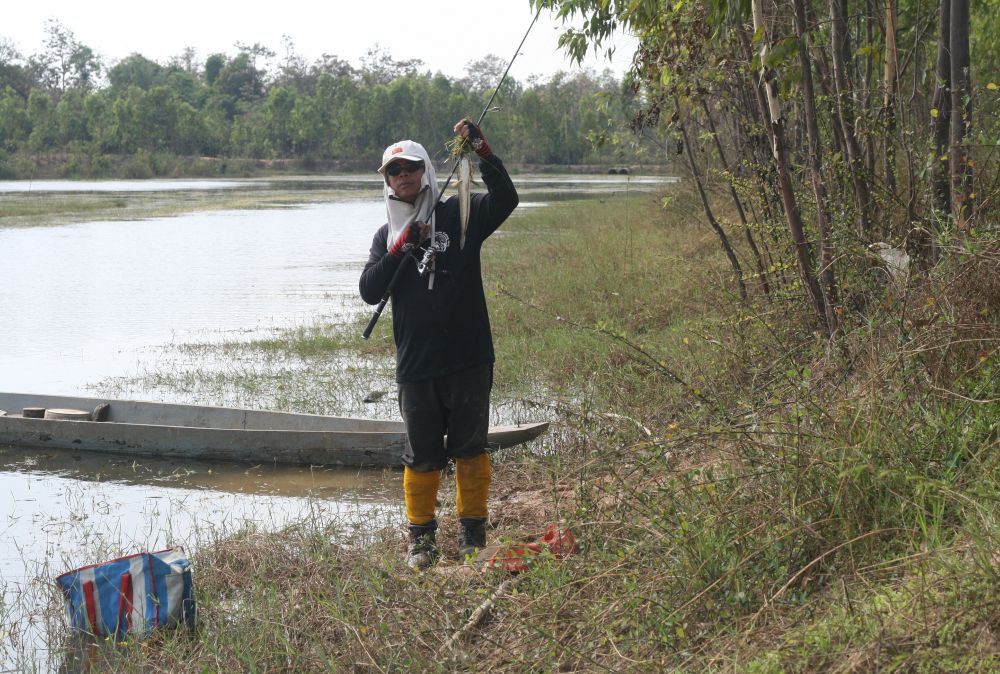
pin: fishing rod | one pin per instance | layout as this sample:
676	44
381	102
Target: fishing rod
396	275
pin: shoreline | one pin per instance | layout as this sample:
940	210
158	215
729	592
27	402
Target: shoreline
148	166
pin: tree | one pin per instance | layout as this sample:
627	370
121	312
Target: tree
334	66
278	121
712	221
482	75
293	71
41	116
213	67
15	125
240	79
85	67
71	118
13	73
254	52
378	66
828	281
186	61
961	115
192	134
65	62
941	112
135	70
844	104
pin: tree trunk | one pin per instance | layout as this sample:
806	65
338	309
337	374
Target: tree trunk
828	282
803	252
942	121
730	253
764	157
865	130
889	100
845	112
761	269
826	91
961	116
767	179
743	129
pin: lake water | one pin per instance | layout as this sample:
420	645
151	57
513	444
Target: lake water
84	302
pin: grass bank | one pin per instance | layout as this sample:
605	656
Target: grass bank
746	496
45	208
85	164
144	164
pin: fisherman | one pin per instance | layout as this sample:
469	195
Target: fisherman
444	346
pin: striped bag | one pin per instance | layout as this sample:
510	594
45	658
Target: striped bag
131	596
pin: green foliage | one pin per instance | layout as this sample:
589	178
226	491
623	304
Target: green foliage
15	125
237	107
817	128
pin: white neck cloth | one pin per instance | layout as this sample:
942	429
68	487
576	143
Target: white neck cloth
400	213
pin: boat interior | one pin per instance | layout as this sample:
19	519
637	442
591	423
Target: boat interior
193	416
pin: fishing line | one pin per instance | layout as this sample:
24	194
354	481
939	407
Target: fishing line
512	58
496	90
395	277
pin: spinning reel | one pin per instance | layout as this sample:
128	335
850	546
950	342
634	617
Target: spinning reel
438	245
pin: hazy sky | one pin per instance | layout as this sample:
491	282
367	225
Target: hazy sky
445	35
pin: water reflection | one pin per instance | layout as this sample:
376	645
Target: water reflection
10	186
236	478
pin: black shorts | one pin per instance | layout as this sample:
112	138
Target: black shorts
456	405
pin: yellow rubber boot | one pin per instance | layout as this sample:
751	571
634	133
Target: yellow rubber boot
420	493
472	482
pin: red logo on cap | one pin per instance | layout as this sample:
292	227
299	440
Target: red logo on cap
397	150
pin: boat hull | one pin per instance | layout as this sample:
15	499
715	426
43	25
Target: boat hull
218	433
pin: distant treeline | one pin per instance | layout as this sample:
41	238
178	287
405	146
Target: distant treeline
63	102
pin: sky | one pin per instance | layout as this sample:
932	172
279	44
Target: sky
446	35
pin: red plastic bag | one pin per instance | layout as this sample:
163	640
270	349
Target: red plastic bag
518	558
559	541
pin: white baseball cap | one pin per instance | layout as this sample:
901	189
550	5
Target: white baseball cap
404	149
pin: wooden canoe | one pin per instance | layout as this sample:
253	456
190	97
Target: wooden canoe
218	433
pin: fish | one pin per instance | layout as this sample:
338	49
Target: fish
464	187
374	396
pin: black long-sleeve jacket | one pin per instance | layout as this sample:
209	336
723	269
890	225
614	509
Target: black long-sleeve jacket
445	329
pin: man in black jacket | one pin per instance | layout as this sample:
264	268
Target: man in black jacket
444	346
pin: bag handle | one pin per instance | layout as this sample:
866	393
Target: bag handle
91	605
125	603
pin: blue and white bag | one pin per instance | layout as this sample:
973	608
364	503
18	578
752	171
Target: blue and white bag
131	596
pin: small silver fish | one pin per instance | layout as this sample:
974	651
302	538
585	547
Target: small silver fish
464	187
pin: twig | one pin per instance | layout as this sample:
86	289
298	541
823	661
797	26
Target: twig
480	614
361	642
798	574
962	397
